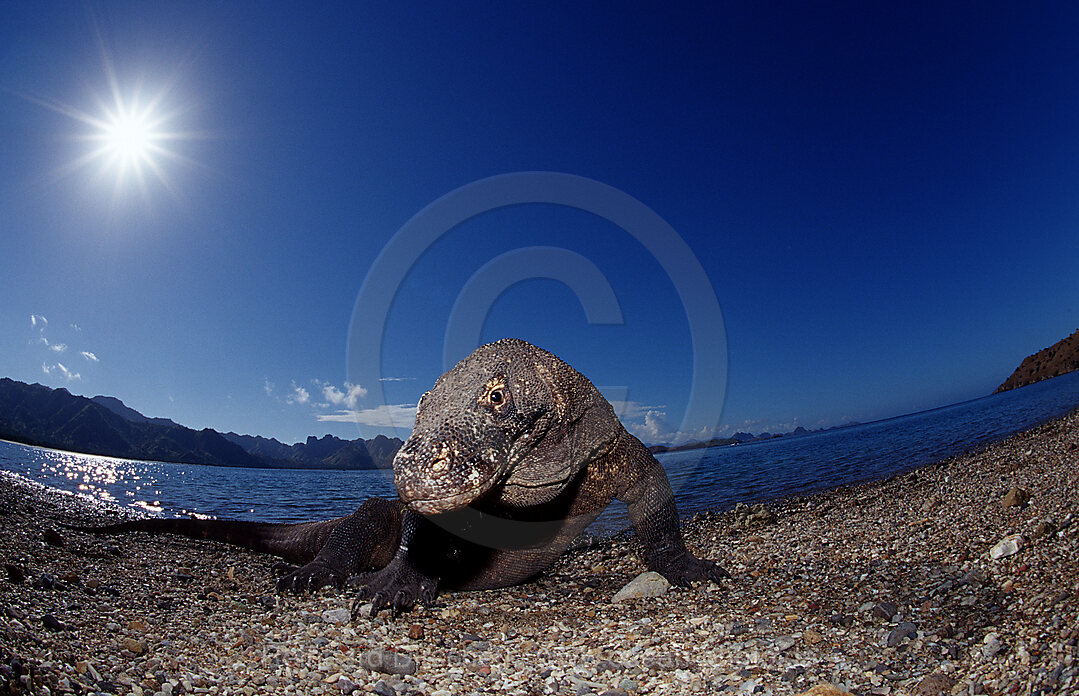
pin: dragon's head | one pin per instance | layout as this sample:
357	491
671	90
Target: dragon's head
509	416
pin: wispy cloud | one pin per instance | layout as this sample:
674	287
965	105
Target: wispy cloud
62	369
299	395
396	379
268	387
58	347
89	356
37	320
385	416
76	328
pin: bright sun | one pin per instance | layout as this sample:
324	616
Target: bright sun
129	139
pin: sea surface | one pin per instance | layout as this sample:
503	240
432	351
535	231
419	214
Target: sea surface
706	479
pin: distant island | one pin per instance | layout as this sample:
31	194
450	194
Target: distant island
1058	359
741	438
37	415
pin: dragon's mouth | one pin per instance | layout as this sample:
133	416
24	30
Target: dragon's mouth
435	506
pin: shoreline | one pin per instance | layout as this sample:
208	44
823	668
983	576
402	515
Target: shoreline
885	587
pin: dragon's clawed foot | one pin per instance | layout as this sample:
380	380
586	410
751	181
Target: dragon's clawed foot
397	587
687	569
310	578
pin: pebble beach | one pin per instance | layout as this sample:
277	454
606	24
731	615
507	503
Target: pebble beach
961	577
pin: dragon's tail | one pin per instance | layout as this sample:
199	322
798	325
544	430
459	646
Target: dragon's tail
296	543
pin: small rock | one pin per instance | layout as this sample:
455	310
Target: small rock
347	686
784	643
383	689
811	637
1008	546
52	537
45	581
825	689
15	612
647	584
1044	528
900	633
608	666
615	692
1017	497
415	632
885	610
738	629
133	645
666	663
934	685
991	646
53	624
337	616
627	684
387	662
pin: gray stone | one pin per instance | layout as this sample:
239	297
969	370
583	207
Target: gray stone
991	646
900	633
784	643
647	584
608	666
387	662
383	689
347	686
885	610
666	663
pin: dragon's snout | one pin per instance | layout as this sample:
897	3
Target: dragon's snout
439	475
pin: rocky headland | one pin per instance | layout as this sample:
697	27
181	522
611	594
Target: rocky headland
1058	359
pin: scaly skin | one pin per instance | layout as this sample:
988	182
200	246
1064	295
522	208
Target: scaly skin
513	454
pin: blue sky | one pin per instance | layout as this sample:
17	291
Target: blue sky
882	198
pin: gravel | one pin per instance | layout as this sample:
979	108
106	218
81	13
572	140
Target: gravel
891	587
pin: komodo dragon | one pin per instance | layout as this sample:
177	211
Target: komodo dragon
514	453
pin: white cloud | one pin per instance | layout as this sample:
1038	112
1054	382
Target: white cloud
76	328
89	356
299	395
57	347
650	425
348	398
385	416
268	387
36	319
396	379
45	368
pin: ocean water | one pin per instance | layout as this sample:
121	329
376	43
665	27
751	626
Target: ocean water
707	479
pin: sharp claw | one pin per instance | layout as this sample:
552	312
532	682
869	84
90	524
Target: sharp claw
402	601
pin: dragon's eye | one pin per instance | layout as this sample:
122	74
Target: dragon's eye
497	397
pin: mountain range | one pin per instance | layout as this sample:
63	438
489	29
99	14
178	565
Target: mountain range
38	415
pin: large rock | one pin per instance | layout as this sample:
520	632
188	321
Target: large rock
647	584
387	662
